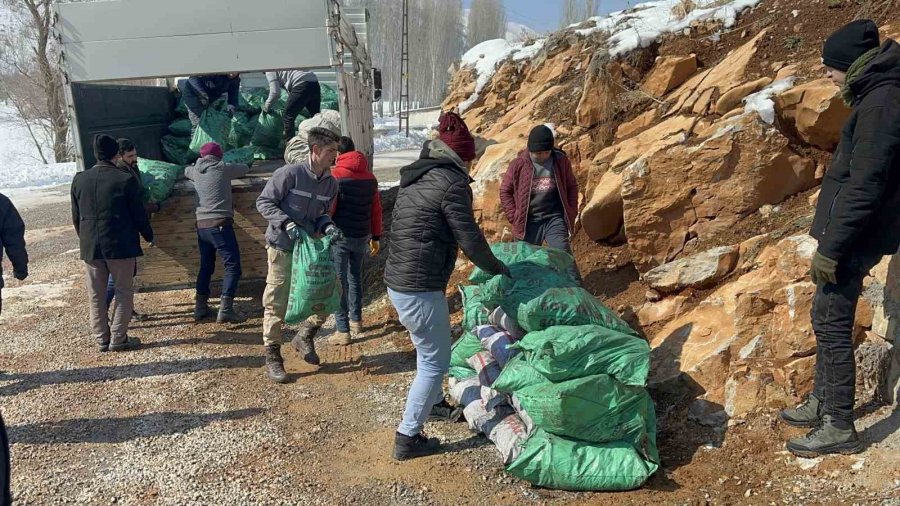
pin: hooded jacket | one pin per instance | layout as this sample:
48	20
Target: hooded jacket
432	219
515	191
358	206
294	193
12	238
212	180
108	213
859	204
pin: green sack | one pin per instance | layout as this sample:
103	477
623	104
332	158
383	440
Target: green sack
329	98
475	313
561	463
177	150
241	130
214	126
263	153
239	155
181	109
508	253
516	375
158	178
252	101
461	373
463	349
315	289
181	127
564	353
569	307
595	408
268	130
528	282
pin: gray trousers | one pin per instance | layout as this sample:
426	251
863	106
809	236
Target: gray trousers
98	273
555	233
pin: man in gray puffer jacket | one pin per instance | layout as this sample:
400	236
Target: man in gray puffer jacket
303	92
215	230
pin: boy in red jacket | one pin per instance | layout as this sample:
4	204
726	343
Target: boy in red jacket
357	213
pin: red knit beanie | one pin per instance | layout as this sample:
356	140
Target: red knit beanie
454	133
211	148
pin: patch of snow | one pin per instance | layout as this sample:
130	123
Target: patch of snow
487	56
382	186
761	102
387	136
20	164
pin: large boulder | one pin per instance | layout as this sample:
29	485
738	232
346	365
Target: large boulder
884	293
602	216
668	73
749	343
488	175
696	271
814	112
696	191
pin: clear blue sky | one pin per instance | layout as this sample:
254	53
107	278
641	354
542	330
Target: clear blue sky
543	15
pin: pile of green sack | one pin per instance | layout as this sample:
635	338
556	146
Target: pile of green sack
553	377
246	136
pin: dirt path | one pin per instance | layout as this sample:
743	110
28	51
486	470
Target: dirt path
191	419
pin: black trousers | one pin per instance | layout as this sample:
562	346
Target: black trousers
306	95
833	315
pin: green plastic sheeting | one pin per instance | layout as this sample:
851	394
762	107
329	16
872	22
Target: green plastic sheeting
569	307
475	312
563	353
595	408
181	127
239	155
177	150
267	131
214	126
158	178
529	281
315	289
560	463
329	98
463	349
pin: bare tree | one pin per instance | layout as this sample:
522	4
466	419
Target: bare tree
576	11
31	79
487	20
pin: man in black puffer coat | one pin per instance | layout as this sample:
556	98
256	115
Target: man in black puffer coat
432	217
857	222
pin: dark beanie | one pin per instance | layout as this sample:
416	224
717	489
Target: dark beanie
105	148
540	139
847	44
455	134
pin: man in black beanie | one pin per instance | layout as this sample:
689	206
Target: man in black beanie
539	193
108	214
856	223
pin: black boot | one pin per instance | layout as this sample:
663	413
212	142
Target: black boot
201	308
829	437
275	364
406	447
227	314
444	412
304	343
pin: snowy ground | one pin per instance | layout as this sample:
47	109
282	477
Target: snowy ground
20	164
388	138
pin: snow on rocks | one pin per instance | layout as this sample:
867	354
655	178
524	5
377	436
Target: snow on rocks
486	57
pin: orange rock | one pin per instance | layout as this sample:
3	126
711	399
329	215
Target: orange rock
696	271
814	111
643	121
733	97
668	73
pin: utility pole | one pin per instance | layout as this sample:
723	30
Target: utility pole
404	71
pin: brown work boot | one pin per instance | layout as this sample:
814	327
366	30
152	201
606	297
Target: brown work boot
356	328
339	339
275	364
304	342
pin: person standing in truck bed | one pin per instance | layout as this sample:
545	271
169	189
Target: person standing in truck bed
200	91
303	90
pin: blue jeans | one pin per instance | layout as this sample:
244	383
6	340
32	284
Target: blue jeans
111	288
349	254
427	318
221	240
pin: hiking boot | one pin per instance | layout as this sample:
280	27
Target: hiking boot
824	439
304	343
138	317
227	314
103	347
201	308
130	343
444	412
805	415
406	447
356	328
339	339
275	364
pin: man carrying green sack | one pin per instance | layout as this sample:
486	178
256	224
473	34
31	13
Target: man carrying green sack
198	92
297	198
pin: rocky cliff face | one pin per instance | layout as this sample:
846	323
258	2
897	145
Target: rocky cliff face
685	151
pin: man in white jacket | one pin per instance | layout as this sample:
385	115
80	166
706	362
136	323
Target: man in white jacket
303	92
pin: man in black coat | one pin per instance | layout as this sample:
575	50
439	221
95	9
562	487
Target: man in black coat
857	222
432	217
108	214
12	240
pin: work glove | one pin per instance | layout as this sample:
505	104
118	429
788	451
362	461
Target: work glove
20	275
293	231
204	101
374	246
231	109
823	269
335	233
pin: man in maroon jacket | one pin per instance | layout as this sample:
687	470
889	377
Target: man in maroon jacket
539	193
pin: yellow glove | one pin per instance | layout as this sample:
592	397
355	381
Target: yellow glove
375	246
